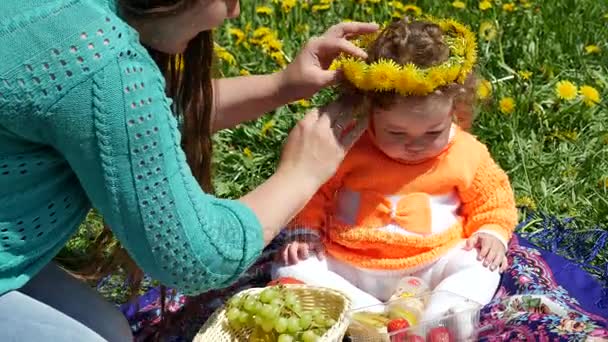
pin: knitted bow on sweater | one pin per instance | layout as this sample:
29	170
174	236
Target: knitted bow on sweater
411	212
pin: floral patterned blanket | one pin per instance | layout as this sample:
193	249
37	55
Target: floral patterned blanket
542	297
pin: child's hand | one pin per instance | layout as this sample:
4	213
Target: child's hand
491	250
299	249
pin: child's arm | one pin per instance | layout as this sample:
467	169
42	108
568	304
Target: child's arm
488	202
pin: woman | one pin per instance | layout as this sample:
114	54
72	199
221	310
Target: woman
85	121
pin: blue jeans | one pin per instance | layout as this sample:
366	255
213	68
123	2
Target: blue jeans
54	306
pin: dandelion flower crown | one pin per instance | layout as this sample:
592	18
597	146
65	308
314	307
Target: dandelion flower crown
409	79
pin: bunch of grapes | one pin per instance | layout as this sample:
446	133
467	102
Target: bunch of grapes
276	314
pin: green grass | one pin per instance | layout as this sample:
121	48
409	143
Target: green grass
555	151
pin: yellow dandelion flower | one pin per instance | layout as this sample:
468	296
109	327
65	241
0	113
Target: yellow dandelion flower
382	74
606	16
507	105
244	72
396	5
319	8
396	15
526	201
273	44
604	183
304	103
302	28
375	1
223	54
509	7
589	49
355	72
267	127
484	89
566	90
590	95
459	4
263	10
238	33
288	5
279	58
262	32
525	74
247	152
485	5
411	8
487	31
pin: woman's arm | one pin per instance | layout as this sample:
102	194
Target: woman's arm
246	98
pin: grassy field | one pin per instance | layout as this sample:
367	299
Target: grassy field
544	119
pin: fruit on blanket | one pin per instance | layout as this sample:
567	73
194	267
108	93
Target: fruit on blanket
276	314
397	328
439	334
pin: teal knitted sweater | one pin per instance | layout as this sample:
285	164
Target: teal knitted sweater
84	122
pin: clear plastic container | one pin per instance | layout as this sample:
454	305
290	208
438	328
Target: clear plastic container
370	324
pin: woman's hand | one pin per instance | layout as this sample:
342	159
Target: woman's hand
311	154
318	143
308	73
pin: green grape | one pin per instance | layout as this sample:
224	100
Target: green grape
309	336
258	320
276	311
267	325
290	299
329	322
233	314
305	321
293	325
315	312
268	295
243	317
285	338
277	302
235	301
266	311
297	308
319	319
280	325
249	305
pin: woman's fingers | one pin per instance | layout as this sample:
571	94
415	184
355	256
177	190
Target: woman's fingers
348	29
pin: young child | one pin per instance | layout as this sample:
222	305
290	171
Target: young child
417	195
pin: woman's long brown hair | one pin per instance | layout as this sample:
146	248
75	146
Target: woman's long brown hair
189	84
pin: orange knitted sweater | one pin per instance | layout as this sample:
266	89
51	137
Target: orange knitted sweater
380	213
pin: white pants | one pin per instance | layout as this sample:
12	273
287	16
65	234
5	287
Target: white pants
456	277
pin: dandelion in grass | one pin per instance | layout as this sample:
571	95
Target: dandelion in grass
247	152
484	89
238	34
244	72
524	74
507	105
320	8
459	4
263	10
302	28
566	90
590	95
487	31
223	54
590	49
288	5
526	202
485	5
604	183
304	103
412	9
508	7
279	58
267	127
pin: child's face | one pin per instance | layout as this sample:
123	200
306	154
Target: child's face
414	129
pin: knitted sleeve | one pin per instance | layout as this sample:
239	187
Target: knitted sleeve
488	202
117	132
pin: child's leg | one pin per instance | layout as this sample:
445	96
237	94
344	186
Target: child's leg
313	271
456	280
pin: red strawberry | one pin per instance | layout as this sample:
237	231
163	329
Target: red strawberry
415	338
398	325
439	334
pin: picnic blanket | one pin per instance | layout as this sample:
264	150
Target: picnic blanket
547	294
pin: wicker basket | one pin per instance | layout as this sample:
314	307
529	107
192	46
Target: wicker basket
330	302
